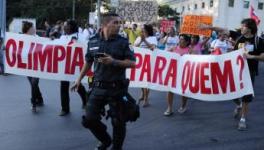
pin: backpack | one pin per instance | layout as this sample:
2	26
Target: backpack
132	112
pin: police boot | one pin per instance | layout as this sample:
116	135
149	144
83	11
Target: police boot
119	133
116	148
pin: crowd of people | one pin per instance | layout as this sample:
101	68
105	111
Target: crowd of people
221	41
145	36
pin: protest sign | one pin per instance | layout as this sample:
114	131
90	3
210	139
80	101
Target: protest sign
166	24
191	24
138	11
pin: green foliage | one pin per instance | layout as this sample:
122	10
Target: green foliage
51	10
169	13
166	11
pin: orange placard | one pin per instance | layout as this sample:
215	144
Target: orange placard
191	22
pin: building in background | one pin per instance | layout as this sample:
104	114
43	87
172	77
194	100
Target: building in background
226	13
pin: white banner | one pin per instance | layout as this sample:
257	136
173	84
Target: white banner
41	57
203	77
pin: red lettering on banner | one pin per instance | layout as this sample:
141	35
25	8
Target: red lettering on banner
172	73
138	65
204	78
185	76
32	45
146	69
77	59
219	78
195	78
159	67
58	49
42	57
20	63
11	47
68	60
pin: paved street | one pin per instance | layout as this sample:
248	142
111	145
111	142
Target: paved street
205	126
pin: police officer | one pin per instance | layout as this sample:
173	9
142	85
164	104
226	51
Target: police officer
111	55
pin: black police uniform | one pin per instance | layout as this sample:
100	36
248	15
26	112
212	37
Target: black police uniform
108	88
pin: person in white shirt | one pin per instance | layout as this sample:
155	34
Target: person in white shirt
171	40
221	43
149	41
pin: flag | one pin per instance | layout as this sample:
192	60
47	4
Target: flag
253	15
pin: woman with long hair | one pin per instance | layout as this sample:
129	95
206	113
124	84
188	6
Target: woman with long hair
36	96
149	41
182	48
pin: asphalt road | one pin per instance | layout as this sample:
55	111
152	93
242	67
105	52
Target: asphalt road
205	126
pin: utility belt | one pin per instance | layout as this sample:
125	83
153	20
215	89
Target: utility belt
109	85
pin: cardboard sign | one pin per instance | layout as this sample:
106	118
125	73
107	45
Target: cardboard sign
166	24
191	24
138	11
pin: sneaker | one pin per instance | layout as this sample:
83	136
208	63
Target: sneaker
34	109
242	126
237	112
101	146
182	110
64	113
168	113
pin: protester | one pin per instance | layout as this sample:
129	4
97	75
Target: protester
132	33
56	31
36	96
160	39
71	32
254	52
110	62
149	41
48	28
182	48
221	43
171	40
88	32
197	46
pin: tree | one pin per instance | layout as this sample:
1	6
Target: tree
51	10
169	13
166	11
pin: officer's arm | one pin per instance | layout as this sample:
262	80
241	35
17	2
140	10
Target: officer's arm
124	63
86	67
84	70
